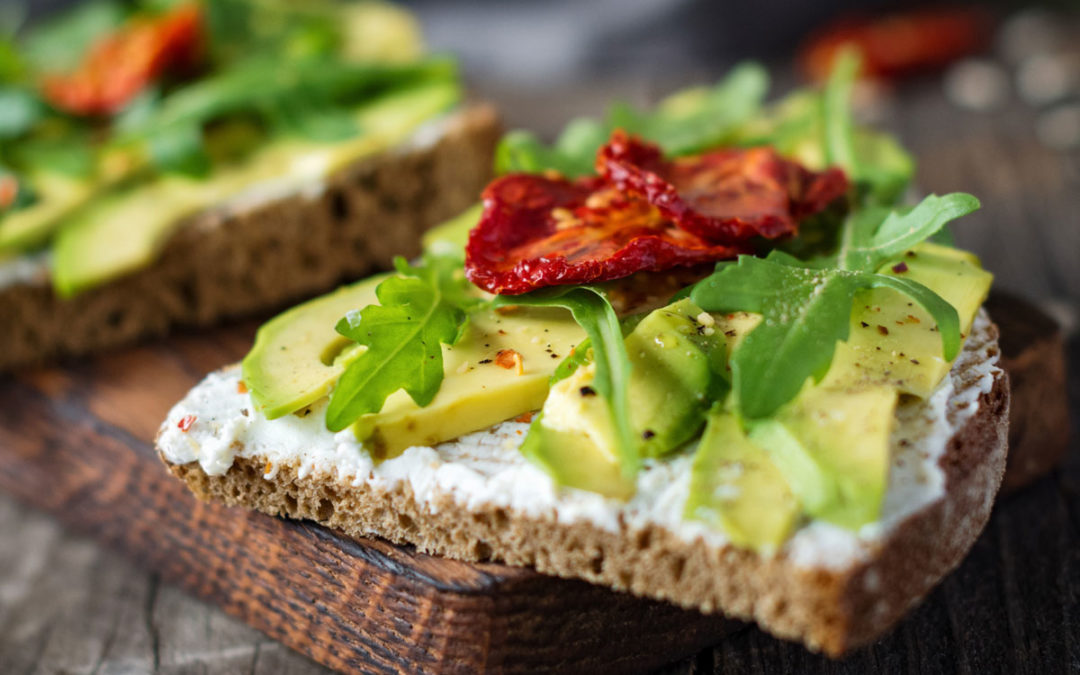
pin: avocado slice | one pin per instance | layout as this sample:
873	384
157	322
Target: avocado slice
678	361
479	387
31	227
735	487
893	340
124	230
832	447
298	356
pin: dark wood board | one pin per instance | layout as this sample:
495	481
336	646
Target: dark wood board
77	442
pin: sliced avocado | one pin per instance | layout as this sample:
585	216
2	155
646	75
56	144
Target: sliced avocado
832	446
735	487
450	237
123	231
677	370
479	387
571	458
298	356
893	340
28	228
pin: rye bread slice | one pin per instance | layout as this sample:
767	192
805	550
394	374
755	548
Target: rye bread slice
258	257
829	607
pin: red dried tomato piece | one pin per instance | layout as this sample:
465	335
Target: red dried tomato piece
122	64
537	231
897	45
722	196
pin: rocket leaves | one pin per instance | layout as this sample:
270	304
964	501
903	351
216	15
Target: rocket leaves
419	310
593	312
806	306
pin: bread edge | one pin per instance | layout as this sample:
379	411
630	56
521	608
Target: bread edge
829	610
244	259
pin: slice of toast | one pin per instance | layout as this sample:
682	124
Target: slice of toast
257	256
477	498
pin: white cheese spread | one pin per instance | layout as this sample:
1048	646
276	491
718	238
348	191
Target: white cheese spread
486	469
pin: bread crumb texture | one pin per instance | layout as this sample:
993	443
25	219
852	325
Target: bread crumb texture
829	608
263	256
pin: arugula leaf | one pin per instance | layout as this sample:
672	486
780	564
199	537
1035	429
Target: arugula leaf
573	154
698	119
419	310
806	306
179	149
20	110
836	109
876	234
593	312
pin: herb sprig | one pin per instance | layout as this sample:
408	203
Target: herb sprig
420	309
595	315
806	305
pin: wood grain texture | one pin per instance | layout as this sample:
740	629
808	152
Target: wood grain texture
77	443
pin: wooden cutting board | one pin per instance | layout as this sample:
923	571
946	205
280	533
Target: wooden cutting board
78	442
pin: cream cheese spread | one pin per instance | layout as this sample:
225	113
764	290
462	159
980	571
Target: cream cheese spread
485	469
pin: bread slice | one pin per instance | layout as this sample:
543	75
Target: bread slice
252	256
477	499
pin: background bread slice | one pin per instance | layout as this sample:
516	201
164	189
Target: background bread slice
830	608
222	264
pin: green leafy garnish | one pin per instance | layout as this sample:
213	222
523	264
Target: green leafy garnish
420	309
698	119
593	312
806	306
572	155
686	122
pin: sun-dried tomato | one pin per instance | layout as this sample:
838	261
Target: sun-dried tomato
901	44
122	64
722	196
538	231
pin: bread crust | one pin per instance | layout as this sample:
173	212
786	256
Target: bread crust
831	610
229	263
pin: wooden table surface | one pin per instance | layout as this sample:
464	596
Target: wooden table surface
69	606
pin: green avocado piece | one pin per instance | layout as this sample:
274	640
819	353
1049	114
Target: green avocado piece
298	356
893	340
735	487
572	458
31	227
449	238
832	447
677	359
123	231
500	368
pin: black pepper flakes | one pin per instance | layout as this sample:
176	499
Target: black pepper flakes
647	434
483	361
587	391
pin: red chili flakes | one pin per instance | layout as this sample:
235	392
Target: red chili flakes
185	423
241	388
122	64
643	213
900	267
510	359
524	418
723	196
